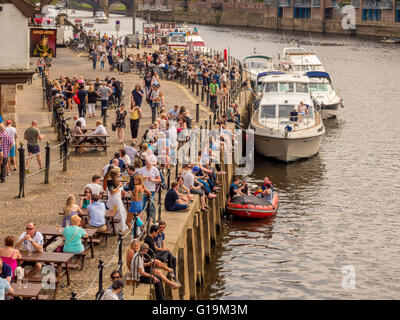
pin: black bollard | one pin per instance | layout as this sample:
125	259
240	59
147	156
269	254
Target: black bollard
148	214
65	147
135	227
181	78
73	295
105	118
177	165
215	116
21	152
47	164
120	251
208	98
202	93
205	124
159	203
100	292
188	81
197	89
209	118
169	179
197	112
193	84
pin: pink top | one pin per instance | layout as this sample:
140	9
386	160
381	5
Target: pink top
13	263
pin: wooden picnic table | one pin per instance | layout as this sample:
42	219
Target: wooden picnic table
60	259
110	215
89	141
31	291
55	232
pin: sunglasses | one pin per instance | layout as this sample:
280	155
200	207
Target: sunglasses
88	192
116	277
30	229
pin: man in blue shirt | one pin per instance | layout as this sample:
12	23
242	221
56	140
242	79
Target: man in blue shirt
121	162
97	214
172	201
234	189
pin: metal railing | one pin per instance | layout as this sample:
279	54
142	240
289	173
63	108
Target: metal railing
374	4
302	3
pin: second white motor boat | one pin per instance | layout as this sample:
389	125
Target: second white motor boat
322	90
281	129
100	17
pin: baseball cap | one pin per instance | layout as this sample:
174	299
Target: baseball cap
195	169
81	81
8	121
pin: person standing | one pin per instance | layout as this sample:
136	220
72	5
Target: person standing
94	59
5	146
120	123
92	99
83	98
102	59
114	187
147	83
214	91
155	101
32	135
41	65
104	93
136	111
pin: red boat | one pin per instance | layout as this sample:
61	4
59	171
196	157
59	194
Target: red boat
252	207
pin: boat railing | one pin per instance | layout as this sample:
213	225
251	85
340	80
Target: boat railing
296	122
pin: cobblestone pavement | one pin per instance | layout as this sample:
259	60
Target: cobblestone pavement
43	202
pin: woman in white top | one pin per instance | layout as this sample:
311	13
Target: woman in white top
114	203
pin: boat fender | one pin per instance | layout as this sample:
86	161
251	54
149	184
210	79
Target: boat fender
288	128
341	103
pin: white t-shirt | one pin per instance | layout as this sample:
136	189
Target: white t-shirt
11	132
154	173
188	180
100	130
109	295
126	159
105	169
96	188
82	121
27	245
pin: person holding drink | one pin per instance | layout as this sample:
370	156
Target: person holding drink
114	188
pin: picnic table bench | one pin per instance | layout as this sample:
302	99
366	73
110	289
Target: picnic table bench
61	261
87	141
110	217
51	233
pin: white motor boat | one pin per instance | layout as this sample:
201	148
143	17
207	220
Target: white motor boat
322	90
280	130
299	60
100	17
254	65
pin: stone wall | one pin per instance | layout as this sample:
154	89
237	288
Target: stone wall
266	18
8	101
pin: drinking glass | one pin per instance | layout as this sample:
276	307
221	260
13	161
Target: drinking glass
115	208
19	283
29	252
25	283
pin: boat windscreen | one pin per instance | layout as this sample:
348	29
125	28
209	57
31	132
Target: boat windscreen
286	87
271	87
301	87
285	109
268	112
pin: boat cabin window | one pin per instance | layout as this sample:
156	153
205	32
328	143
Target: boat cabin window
286	87
285	109
320	87
301	87
267	112
260	86
177	38
271	87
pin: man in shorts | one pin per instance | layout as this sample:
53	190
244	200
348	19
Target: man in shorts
32	135
12	132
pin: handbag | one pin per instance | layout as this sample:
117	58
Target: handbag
76	98
113	127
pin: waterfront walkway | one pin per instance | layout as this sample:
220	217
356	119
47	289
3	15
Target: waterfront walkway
43	202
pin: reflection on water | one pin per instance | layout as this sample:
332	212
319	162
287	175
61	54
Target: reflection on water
338	208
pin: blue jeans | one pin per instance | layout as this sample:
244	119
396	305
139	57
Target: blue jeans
104	106
205	185
177	207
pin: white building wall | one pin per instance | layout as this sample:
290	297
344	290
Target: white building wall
14	39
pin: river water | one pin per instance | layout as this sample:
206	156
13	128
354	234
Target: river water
338	210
